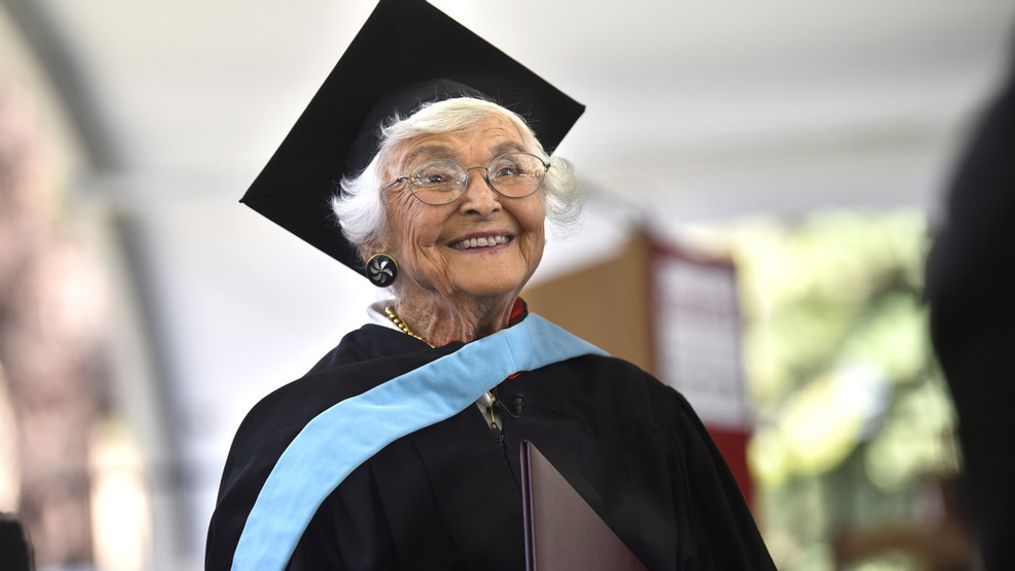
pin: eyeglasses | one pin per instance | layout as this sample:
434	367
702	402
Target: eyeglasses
442	181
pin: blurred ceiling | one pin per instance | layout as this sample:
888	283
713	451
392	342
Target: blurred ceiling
193	89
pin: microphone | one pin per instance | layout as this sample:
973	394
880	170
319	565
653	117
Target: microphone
517	403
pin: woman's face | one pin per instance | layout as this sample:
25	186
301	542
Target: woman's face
432	243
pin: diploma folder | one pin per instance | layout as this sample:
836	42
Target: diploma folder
562	532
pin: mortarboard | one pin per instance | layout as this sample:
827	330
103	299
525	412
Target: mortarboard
407	53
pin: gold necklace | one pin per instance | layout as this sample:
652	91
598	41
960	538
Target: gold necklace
402	326
491	397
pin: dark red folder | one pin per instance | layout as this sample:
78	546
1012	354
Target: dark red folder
562	532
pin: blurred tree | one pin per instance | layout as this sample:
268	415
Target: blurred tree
854	422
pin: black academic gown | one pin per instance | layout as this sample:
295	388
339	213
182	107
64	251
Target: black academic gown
448	496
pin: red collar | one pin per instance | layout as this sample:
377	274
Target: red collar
518	312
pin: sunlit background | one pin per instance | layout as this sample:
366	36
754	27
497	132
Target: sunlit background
143	311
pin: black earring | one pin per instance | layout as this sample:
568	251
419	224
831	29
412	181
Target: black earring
381	270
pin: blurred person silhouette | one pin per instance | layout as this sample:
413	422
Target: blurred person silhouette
15	551
971	291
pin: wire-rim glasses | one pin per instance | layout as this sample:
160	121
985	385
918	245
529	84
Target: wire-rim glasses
442	181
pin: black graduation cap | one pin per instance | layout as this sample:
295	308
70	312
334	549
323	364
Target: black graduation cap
406	54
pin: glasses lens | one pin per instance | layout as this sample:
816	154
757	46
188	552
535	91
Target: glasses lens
516	174
438	182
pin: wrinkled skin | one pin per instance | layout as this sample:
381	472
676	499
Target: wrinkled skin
445	292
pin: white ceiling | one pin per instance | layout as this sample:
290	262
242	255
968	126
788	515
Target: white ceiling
696	111
208	89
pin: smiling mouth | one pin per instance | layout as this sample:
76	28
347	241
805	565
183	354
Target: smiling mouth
481	242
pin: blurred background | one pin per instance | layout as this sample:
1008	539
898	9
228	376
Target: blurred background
762	183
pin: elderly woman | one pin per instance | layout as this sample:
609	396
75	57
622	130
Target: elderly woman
466	239
399	449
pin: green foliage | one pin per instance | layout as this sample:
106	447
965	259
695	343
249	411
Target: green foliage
852	413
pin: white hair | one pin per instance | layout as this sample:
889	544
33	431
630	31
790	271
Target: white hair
358	206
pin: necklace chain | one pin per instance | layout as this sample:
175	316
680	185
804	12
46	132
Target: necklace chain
404	328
